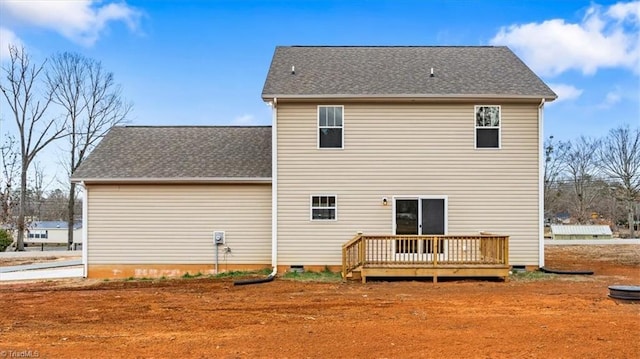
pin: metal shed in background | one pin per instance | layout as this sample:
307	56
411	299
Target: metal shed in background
581	232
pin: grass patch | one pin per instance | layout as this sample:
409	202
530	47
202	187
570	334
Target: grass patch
137	279
531	276
325	275
238	274
189	275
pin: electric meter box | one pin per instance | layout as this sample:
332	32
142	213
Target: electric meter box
218	237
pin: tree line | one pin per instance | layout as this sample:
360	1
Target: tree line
594	179
67	97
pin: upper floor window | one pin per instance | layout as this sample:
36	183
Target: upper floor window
487	126
323	208
330	129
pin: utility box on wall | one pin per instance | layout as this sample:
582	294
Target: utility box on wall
218	237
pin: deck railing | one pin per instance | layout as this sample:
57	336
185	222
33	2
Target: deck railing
431	251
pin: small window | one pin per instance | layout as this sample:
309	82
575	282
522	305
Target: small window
487	126
38	235
323	208
330	129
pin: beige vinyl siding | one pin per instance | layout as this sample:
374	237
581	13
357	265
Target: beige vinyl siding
155	224
396	149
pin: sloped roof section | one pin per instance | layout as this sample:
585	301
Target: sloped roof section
159	153
53	225
401	71
591	230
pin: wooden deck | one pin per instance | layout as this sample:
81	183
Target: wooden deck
426	256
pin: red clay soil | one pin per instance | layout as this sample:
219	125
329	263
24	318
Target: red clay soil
529	316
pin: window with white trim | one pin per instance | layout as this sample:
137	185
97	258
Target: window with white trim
487	126
323	208
330	127
38	234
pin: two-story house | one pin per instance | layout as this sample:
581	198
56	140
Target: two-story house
399	158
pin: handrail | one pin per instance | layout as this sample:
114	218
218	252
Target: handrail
350	250
424	251
353	240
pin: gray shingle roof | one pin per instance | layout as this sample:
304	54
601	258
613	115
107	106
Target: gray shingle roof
481	71
53	224
179	153
581	229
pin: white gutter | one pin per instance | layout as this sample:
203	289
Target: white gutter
85	228
541	159
274	187
267	97
174	180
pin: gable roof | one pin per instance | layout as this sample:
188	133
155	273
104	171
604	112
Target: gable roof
179	154
53	225
581	230
401	71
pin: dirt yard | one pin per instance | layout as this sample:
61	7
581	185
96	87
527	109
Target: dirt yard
530	316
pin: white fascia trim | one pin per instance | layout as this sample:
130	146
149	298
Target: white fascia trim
269	98
540	184
85	228
274	186
177	180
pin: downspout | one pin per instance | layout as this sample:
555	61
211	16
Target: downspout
274	200
85	228
274	187
541	184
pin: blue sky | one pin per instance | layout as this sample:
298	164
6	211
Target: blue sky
205	62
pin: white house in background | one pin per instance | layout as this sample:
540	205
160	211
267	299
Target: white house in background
52	232
580	232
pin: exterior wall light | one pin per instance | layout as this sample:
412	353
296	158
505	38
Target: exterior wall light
385	201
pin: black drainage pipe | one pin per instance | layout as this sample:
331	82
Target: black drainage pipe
574	272
255	281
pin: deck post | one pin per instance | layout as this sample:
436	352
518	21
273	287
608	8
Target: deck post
362	251
436	250
344	263
505	247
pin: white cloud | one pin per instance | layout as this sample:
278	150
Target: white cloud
81	21
7	37
625	11
612	98
601	40
565	92
244	120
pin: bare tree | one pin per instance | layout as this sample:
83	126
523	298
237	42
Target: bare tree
10	173
93	104
581	168
36	193
28	107
55	205
554	165
620	160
